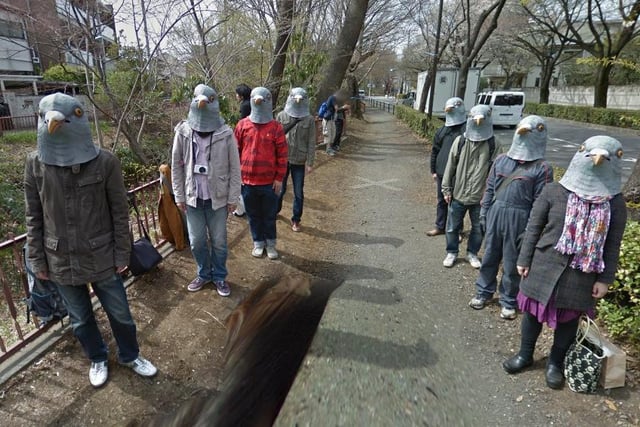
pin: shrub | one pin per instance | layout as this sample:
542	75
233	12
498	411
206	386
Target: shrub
418	121
580	113
620	309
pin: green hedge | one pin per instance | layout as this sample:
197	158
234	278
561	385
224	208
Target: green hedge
598	116
418	121
620	309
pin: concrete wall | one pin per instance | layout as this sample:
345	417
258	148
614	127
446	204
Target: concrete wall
619	97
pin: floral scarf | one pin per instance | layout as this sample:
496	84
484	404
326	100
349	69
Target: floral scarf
586	224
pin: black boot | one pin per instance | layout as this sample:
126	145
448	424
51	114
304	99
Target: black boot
516	364
554	376
529	331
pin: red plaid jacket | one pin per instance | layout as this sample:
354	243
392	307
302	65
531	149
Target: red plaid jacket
263	151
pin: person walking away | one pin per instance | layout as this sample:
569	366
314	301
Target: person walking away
77	217
334	102
455	122
243	94
206	184
341	116
515	181
464	180
263	158
300	130
570	252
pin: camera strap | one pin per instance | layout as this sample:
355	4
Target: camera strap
196	146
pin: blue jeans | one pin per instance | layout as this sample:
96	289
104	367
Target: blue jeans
297	177
113	298
261	204
455	222
208	238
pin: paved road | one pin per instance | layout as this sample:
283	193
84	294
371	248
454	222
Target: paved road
565	138
398	345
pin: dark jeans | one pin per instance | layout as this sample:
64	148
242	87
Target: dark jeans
261	204
339	128
297	178
441	207
455	220
113	298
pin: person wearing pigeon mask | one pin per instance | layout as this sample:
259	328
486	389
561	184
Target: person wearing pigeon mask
515	180
263	158
464	180
300	130
454	124
77	218
206	183
570	252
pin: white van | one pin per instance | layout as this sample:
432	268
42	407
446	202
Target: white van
506	106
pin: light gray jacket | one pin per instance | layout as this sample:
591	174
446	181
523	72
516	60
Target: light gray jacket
224	167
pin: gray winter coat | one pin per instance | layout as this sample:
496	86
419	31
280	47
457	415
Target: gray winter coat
77	219
549	270
224	166
301	139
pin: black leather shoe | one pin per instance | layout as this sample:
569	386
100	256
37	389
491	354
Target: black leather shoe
516	364
554	377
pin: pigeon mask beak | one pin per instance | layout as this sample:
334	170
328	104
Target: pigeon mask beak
258	100
478	120
54	120
298	99
523	130
448	109
598	156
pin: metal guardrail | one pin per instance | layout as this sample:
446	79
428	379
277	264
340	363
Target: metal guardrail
389	107
15	331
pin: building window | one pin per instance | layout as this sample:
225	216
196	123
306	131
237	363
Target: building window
11	29
537	83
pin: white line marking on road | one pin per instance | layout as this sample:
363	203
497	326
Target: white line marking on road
370	183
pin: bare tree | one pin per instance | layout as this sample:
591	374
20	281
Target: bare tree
481	20
601	27
342	52
284	29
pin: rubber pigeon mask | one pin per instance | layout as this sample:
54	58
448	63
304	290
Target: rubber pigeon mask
204	110
596	169
479	123
454	112
530	140
261	106
297	103
64	135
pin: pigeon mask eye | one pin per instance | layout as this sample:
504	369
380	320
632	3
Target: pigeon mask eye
212	98
78	112
581	149
540	127
619	153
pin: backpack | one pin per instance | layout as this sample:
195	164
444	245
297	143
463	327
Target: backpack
323	110
44	299
491	141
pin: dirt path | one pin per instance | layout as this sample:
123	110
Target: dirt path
397	344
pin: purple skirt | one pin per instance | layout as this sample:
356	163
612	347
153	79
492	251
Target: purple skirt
548	314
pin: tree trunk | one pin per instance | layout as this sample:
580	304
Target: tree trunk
601	87
341	54
463	72
352	88
284	29
425	91
545	82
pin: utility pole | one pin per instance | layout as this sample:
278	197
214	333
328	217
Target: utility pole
436	58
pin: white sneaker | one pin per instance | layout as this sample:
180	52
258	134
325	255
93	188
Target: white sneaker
474	261
271	252
449	260
257	251
508	313
142	367
98	373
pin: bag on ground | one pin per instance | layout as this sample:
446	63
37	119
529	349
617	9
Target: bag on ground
614	365
583	362
144	256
